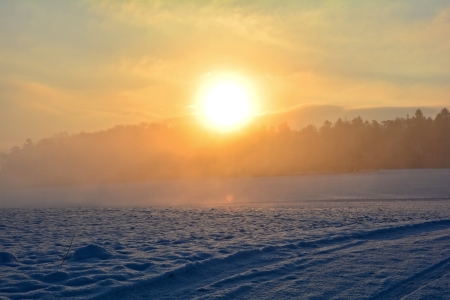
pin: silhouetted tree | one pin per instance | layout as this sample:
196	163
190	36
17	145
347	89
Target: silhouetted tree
159	151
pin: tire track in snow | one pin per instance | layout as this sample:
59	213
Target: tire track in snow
412	284
284	267
206	277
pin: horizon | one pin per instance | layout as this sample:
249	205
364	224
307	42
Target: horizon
297	118
184	150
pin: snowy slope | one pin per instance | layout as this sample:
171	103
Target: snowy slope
329	249
342	250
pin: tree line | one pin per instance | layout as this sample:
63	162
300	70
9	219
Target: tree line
160	151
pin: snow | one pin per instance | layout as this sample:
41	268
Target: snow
91	251
6	257
308	242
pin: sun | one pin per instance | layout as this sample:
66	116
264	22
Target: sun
226	103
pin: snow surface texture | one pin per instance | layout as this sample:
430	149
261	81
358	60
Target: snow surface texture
329	249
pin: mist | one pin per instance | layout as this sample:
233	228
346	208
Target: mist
139	153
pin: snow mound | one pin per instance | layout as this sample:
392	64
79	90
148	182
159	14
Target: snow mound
91	251
6	257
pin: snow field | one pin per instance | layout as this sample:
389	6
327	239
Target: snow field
311	250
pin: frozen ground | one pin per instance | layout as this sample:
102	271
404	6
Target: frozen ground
373	246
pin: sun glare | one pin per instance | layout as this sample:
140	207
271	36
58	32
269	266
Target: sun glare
226	103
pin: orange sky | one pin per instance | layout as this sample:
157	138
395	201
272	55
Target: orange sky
89	65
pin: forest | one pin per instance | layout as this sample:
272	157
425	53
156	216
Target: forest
142	152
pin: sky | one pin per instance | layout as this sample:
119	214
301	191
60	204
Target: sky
71	66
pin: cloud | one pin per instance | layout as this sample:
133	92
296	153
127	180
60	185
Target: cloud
304	115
